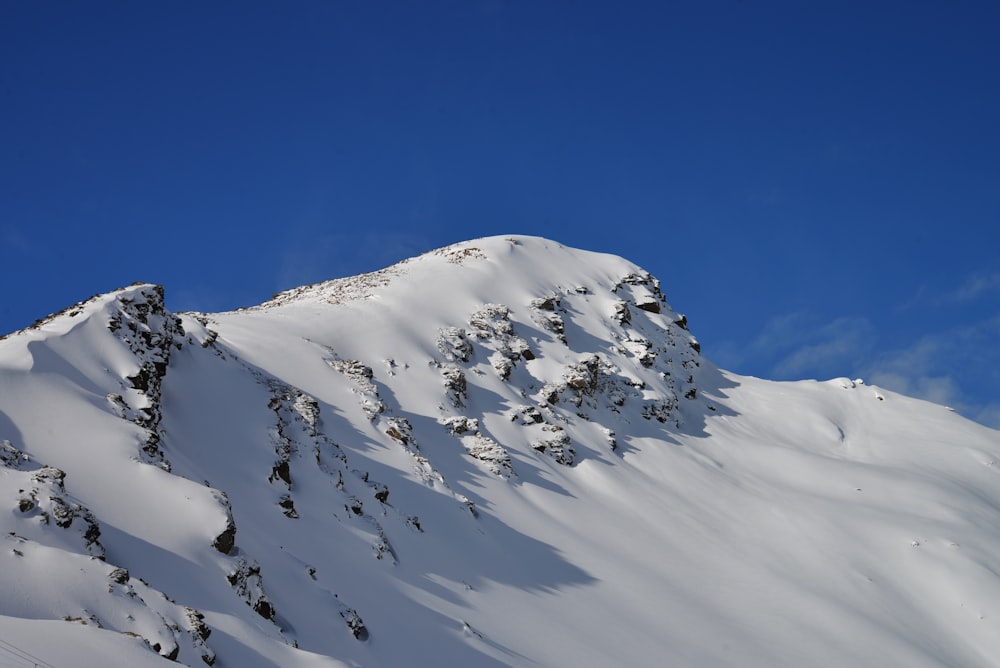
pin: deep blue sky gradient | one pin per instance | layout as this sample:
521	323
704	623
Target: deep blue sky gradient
816	184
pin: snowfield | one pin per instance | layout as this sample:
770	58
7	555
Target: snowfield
501	453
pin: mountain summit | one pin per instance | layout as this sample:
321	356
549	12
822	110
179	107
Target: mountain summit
505	452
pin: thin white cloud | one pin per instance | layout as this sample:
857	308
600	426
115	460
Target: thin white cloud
988	415
834	344
782	332
799	345
975	287
928	368
914	361
939	389
953	364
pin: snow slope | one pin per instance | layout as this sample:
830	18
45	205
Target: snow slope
501	453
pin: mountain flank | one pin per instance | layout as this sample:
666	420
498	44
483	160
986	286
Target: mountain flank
505	452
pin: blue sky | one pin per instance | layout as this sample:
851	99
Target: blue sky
816	184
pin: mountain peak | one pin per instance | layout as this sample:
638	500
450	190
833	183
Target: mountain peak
499	453
500	262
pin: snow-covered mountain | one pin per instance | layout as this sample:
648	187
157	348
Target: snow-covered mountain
501	453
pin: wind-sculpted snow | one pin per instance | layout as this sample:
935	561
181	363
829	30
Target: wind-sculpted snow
503	452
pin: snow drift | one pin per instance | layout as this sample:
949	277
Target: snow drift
501	453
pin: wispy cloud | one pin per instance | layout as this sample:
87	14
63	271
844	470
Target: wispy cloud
838	343
928	368
974	287
951	365
800	345
939	389
988	415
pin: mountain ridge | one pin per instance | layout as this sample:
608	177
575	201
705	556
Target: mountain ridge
503	452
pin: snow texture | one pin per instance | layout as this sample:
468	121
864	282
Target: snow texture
501	453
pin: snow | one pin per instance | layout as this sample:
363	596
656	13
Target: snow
502	453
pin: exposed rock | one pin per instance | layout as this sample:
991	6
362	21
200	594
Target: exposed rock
622	314
296	421
643	350
583	375
558	446
661	410
492	321
454	344
197	623
363	378
612	439
226	540
281	471
400	430
585	381
491	453
502	363
456	386
527	415
485	449
645	279
294	413
493	329
210	339
546	313
150	332
548	303
459	254
457	426
288	507
245	578
381	546
13	458
45	497
354	623
169	652
119	575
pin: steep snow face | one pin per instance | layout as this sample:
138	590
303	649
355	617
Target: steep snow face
503	452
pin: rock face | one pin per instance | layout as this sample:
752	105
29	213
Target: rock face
43	502
428	464
143	323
